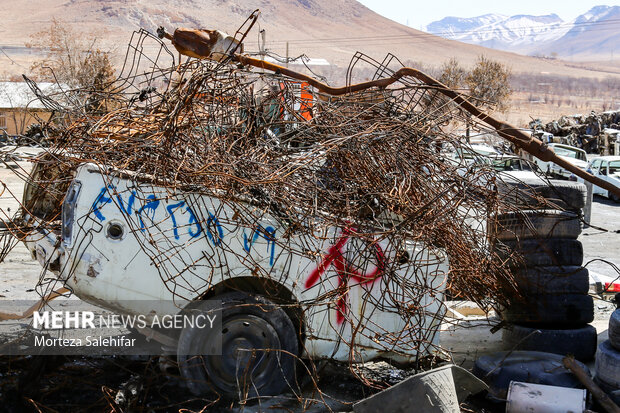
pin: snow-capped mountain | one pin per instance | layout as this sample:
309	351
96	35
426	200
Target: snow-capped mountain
454	27
588	36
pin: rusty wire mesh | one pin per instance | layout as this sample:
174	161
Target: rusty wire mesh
244	144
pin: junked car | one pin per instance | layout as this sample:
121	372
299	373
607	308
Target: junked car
124	242
608	169
512	164
575	156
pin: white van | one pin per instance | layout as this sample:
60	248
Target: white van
336	294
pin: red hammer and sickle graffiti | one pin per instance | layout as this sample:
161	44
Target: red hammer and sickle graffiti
345	271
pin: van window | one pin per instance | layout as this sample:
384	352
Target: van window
614	166
570	153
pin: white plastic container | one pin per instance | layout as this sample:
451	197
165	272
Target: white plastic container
539	398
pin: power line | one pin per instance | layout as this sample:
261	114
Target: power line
9	57
610	22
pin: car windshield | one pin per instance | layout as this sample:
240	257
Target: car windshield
614	167
513	164
570	153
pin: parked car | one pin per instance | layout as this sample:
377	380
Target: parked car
608	169
472	158
512	168
574	155
476	154
511	163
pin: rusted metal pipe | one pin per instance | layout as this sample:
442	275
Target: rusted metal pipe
584	378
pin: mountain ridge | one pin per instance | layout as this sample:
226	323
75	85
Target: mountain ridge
590	36
329	29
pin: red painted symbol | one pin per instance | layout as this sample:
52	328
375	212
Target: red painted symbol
346	271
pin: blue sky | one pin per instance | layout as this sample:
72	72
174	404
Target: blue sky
420	13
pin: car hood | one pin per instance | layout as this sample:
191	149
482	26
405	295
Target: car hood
519	176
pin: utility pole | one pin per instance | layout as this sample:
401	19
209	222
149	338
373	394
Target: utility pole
262	45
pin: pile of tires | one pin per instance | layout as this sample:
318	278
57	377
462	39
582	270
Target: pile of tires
607	366
540	245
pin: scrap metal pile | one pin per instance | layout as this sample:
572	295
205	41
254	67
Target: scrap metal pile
375	161
595	133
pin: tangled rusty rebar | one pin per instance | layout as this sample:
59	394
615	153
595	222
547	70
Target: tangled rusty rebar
376	161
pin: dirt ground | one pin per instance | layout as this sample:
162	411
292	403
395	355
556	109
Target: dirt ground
87	384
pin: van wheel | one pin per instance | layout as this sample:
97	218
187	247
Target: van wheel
614	329
541	252
552	280
580	342
551	310
607	365
537	193
529	224
259	348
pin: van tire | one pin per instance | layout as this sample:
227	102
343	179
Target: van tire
614	329
498	369
552	280
580	342
541	252
555	311
530	224
544	194
612	392
567	195
248	322
607	366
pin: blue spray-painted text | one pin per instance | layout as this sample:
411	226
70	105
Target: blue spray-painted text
180	213
268	233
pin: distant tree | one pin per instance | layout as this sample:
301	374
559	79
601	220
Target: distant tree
489	84
74	59
452	74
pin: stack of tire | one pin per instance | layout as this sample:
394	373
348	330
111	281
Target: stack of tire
539	243
607	366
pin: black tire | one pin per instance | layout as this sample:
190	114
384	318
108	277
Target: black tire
535	224
552	280
541	252
543	194
568	195
248	323
613	197
498	369
607	366
613	393
580	342
557	311
614	329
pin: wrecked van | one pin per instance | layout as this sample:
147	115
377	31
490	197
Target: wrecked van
123	242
